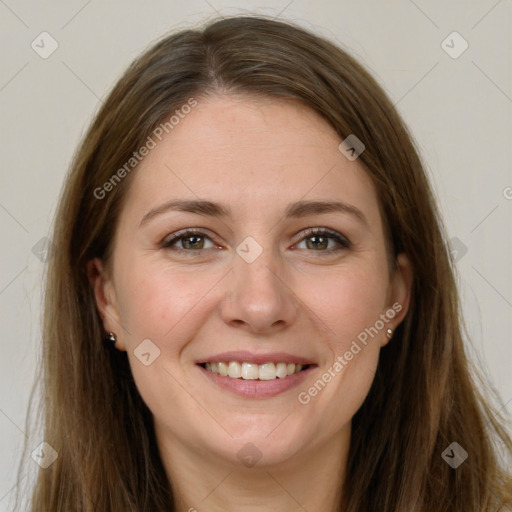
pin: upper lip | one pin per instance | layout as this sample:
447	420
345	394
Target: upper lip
243	356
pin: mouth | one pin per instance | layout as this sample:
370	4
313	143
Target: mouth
255	376
253	371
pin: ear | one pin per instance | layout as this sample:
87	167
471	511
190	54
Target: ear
399	296
105	297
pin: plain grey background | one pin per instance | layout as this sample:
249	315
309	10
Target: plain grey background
457	102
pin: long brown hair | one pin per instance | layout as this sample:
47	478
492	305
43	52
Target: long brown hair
425	395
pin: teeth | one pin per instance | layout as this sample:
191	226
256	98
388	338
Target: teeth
267	371
252	371
234	370
281	370
223	369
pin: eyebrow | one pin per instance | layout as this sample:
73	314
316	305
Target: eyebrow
294	210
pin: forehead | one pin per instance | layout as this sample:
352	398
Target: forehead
255	154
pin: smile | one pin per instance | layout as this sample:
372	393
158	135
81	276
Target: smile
253	371
255	376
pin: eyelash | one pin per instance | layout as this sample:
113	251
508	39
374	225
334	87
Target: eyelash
343	242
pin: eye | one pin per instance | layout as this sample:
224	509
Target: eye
320	240
189	240
325	240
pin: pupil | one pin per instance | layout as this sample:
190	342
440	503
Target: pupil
319	241
194	241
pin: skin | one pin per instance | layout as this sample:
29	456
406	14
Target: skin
255	156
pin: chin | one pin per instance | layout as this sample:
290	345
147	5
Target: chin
260	443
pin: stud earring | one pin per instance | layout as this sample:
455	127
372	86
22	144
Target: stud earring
110	341
389	333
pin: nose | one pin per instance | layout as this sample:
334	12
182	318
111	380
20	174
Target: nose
259	296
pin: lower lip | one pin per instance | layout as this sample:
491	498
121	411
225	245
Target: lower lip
257	388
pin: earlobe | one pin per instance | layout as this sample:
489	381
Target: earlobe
104	295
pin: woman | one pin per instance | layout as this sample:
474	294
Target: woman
248	227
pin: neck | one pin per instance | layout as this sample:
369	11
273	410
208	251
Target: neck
311	480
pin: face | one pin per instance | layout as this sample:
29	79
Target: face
262	277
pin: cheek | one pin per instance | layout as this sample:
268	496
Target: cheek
168	307
347	301
157	301
350	303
